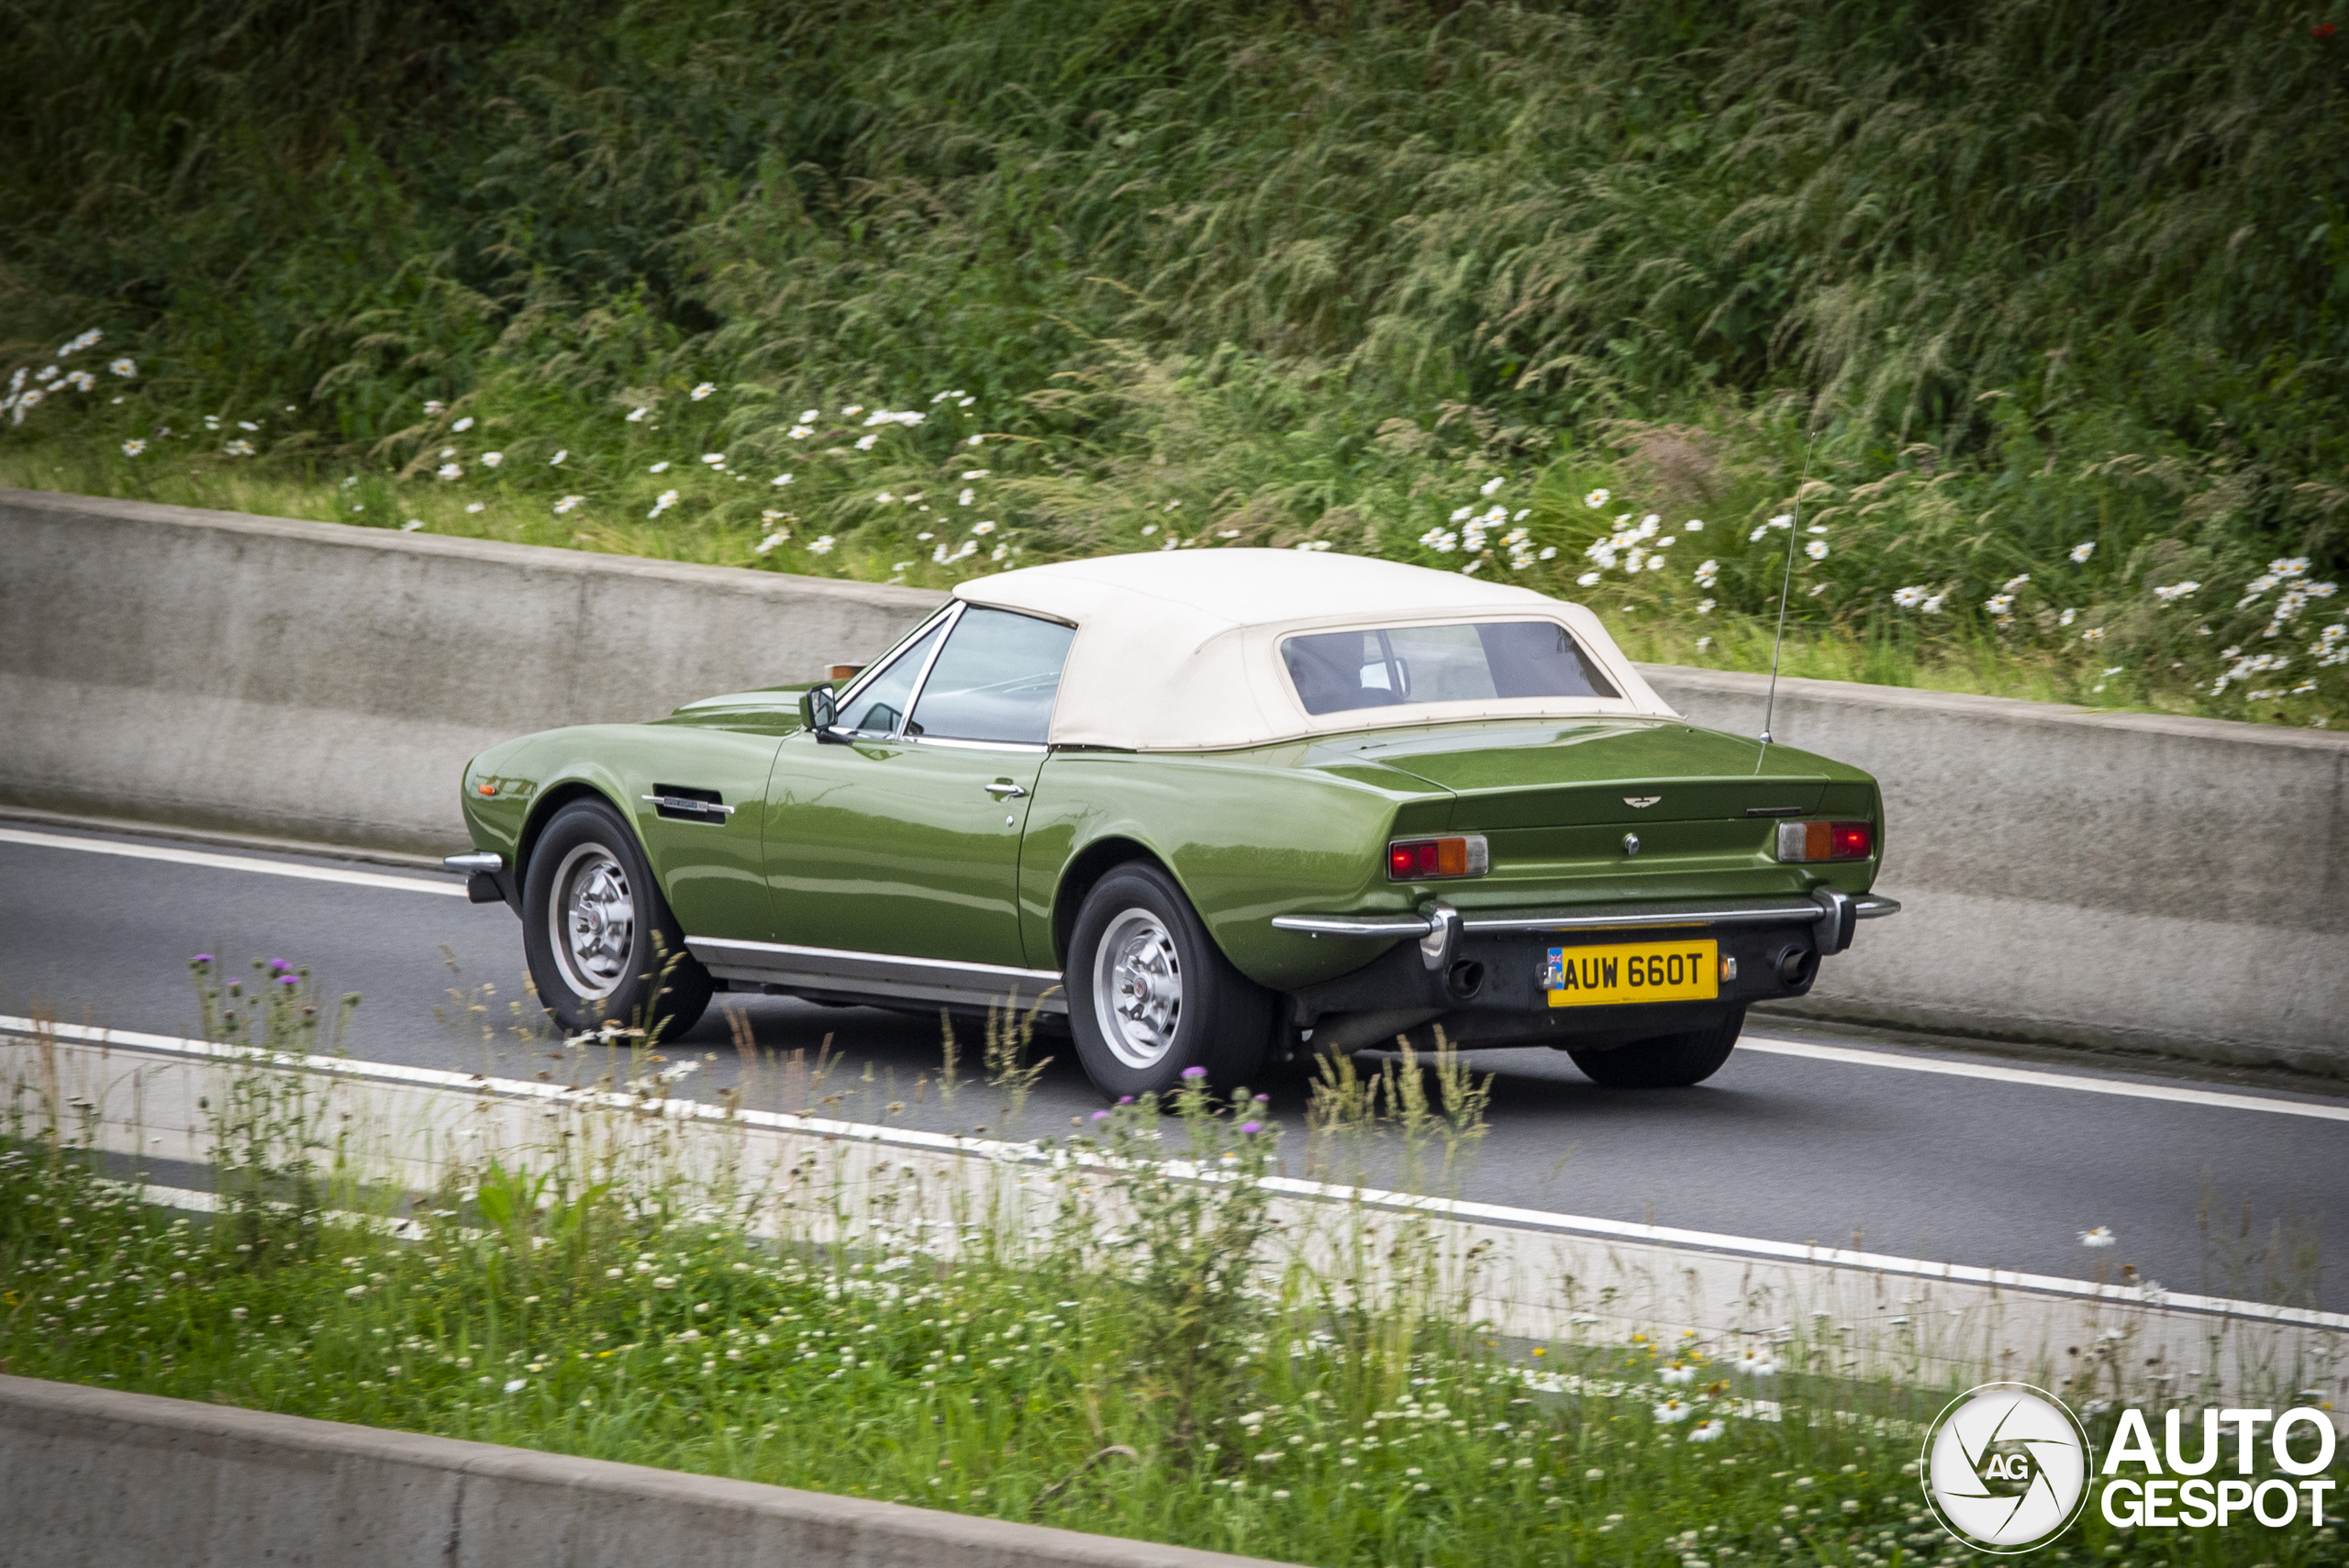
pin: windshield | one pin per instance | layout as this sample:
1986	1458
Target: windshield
1388	666
876	707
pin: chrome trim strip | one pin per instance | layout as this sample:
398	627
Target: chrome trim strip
1024	748
1353	925
486	860
841	695
679	803
878	974
913	694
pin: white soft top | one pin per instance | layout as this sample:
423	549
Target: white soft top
1179	650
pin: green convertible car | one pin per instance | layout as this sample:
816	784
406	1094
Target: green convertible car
1208	807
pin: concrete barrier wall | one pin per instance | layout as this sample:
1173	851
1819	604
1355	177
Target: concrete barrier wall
313	681
2072	876
96	1478
2111	879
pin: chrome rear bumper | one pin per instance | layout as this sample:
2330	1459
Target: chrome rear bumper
1781	911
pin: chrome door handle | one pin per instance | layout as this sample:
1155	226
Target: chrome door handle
1004	789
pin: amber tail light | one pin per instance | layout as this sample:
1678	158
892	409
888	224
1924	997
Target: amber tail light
1826	841
1424	859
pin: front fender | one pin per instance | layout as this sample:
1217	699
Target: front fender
511	789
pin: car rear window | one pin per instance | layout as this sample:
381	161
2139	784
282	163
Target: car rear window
1391	665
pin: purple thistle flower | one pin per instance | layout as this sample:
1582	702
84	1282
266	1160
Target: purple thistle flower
287	980
1195	1072
201	958
1263	1099
1100	1115
1125	1099
1251	1127
279	966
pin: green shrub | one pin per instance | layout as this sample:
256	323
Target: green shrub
2041	274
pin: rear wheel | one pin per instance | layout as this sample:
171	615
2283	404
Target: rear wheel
602	945
1667	1062
1150	995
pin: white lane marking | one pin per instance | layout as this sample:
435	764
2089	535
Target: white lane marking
227	863
997	1149
2124	1087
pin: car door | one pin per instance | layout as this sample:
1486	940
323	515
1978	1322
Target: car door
905	841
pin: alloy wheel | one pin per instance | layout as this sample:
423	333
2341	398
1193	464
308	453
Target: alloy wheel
592	914
1138	988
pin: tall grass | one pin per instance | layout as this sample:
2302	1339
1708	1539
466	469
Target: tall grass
2040	274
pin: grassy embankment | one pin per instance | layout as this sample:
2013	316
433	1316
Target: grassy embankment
1123	1356
2058	284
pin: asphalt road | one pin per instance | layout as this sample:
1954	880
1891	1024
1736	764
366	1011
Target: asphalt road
2005	1172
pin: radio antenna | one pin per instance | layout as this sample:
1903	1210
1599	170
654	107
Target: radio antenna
1785	587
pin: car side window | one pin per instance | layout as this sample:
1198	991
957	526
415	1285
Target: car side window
995	680
878	705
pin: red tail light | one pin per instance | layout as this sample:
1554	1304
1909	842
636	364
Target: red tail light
1826	841
1425	860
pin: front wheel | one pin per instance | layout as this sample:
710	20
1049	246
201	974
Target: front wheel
1667	1062
603	948
1149	994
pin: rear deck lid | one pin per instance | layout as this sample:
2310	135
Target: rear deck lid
1601	772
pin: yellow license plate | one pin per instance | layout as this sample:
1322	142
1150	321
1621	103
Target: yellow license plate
1634	972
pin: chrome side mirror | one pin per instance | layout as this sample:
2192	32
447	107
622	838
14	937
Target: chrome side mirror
820	710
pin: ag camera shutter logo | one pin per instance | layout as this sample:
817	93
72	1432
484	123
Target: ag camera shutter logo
2006	1468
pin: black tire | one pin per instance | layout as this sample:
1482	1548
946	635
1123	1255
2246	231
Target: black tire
1667	1062
1219	1019
640	977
